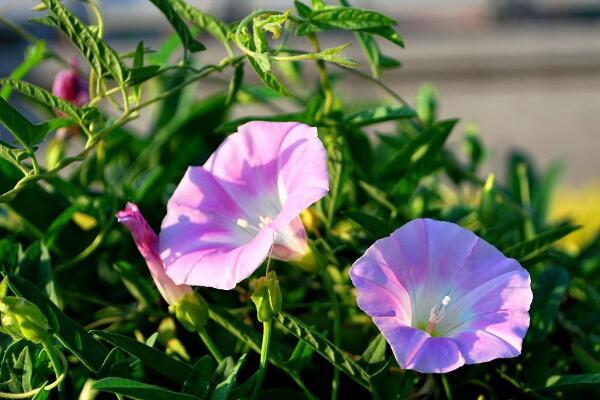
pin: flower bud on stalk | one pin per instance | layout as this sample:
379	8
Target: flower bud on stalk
68	85
192	311
266	296
23	319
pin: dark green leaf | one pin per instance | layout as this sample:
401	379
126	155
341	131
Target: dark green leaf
372	224
26	133
198	381
35	267
549	289
139	390
154	359
167	7
222	390
235	84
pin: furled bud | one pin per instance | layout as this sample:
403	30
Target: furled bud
70	86
192	311
23	319
266	296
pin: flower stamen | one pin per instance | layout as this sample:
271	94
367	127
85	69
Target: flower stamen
437	313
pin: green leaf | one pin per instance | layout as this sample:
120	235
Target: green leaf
372	224
210	24
375	352
303	9
549	289
34	56
142	74
262	65
102	57
139	390
222	390
349	18
34	266
565	382
26	133
325	348
386	32
427	104
13	155
530	248
380	114
167	7
45	97
235	84
140	287
198	381
154	359
72	335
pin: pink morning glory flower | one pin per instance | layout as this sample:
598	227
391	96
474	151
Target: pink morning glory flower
443	297
70	86
225	216
146	241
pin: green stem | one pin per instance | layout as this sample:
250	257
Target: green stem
337	327
56	364
264	358
324	78
210	345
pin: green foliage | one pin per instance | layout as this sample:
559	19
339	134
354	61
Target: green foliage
389	162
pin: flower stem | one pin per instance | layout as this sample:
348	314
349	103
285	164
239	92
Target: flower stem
210	345
324	78
56	364
337	325
264	358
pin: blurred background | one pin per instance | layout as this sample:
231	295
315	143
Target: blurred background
526	72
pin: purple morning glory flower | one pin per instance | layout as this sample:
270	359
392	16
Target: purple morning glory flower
443	297
147	243
224	216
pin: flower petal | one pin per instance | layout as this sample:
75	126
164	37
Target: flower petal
415	349
147	243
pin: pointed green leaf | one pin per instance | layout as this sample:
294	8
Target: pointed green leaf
565	382
222	390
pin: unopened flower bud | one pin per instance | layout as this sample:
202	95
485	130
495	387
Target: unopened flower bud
23	319
266	296
192	311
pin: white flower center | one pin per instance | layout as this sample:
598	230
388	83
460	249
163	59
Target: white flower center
436	313
263	222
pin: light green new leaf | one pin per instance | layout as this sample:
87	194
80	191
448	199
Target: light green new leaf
167	7
102	57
